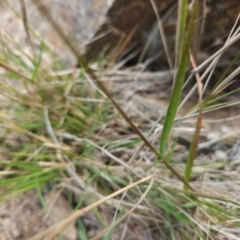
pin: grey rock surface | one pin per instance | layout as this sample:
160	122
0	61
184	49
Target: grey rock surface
79	19
92	23
100	25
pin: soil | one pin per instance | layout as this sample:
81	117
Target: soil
23	216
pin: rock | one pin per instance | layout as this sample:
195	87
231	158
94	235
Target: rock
99	26
107	21
79	19
123	17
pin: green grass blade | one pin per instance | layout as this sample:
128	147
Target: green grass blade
178	83
180	33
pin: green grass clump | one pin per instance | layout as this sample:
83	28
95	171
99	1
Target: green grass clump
60	130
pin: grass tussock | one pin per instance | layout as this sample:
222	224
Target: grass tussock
64	129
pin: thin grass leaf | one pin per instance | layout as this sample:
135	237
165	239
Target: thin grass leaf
178	83
82	232
196	136
226	72
180	31
20	185
37	63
